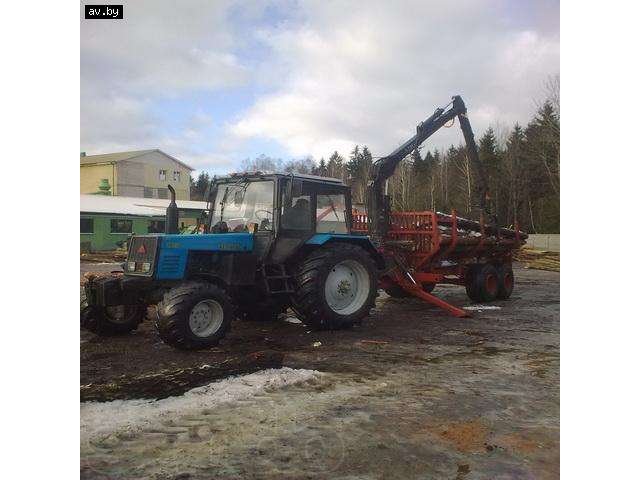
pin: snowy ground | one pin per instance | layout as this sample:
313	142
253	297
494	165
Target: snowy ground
412	393
127	417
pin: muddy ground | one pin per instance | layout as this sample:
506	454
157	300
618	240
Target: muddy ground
411	393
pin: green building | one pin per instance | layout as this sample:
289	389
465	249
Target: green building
107	221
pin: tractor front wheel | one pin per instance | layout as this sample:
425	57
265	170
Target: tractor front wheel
194	316
112	321
337	286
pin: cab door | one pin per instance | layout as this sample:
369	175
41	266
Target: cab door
295	218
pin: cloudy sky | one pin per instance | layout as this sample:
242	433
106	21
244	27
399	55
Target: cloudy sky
213	82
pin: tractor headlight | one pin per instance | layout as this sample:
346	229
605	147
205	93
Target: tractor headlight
131	266
146	266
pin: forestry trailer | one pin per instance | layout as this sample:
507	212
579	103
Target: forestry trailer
278	241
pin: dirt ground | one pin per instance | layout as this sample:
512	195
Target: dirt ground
411	393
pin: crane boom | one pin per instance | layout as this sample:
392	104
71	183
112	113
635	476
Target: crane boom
378	204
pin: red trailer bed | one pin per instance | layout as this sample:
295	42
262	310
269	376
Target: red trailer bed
431	247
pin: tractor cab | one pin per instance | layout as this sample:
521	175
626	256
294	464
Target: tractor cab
281	211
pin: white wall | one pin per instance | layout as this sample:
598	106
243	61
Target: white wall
544	241
142	171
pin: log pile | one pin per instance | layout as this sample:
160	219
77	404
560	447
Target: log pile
114	256
538	259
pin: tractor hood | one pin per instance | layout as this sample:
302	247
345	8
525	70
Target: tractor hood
172	251
227	242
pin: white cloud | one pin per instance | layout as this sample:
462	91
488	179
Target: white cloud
338	73
161	49
369	75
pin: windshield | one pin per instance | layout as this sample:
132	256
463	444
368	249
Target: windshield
243	206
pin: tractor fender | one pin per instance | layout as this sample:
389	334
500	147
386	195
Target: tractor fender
362	241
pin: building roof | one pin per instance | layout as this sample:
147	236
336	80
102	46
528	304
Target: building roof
149	207
119	156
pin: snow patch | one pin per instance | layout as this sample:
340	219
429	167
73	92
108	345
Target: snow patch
292	320
480	308
100	419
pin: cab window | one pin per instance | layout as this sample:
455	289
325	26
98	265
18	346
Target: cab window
296	212
330	214
244	206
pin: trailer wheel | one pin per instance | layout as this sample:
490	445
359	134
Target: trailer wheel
428	287
486	282
112	321
471	284
336	286
194	316
396	291
506	280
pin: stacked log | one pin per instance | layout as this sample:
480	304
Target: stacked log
113	256
538	259
474	226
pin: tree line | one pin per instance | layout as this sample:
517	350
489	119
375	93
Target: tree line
522	167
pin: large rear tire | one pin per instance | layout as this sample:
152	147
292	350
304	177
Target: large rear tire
194	316
336	286
112	321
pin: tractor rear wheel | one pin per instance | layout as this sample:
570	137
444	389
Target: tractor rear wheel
112	321
506	280
194	316
336	286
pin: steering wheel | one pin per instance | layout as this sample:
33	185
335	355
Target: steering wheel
267	217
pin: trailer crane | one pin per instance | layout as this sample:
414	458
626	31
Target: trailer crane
378	202
417	253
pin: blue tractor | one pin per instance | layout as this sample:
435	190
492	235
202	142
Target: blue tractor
271	242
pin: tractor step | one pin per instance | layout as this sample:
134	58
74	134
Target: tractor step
276	279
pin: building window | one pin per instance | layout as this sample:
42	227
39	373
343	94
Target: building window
163	193
121	226
176	175
156	226
162	175
86	225
148	192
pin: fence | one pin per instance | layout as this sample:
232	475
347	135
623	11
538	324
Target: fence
544	241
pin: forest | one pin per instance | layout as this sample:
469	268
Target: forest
522	166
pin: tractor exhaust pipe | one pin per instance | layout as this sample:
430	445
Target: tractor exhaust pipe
171	218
